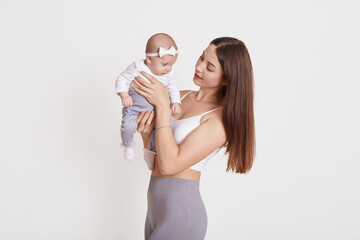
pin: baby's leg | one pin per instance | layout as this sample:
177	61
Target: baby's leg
140	104
128	126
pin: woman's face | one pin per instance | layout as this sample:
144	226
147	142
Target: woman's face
208	71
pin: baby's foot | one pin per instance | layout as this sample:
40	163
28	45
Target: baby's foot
128	151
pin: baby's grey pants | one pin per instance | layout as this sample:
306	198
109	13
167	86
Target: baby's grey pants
129	119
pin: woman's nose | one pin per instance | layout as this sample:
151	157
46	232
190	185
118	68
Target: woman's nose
198	67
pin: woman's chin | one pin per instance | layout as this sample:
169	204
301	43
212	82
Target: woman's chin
195	79
196	83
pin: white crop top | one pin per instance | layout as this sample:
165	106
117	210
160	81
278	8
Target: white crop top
182	127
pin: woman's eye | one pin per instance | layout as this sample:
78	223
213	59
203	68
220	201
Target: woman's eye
209	69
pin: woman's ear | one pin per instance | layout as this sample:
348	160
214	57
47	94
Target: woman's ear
224	82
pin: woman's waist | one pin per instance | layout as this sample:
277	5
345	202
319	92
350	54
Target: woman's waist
187	174
172	187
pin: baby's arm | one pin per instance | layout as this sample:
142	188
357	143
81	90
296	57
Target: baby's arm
174	92
126	99
123	82
174	95
175	108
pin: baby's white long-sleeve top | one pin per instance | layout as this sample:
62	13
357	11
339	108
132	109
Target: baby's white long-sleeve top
125	80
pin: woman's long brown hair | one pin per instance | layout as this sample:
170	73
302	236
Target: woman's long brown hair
238	113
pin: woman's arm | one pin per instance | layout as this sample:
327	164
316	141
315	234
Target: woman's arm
202	141
145	125
197	145
146	140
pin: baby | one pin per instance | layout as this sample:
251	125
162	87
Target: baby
161	54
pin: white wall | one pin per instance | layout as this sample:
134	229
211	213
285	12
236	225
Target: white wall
61	172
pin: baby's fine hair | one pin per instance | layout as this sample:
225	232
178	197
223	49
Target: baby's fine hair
159	40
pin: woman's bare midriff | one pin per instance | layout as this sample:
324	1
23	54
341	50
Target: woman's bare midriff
188	174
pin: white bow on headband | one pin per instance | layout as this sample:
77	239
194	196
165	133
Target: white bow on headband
162	51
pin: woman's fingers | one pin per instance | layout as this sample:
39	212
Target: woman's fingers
141	119
149	77
139	91
150	121
141	82
145	122
145	119
140	116
153	92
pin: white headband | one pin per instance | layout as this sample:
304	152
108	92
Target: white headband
162	51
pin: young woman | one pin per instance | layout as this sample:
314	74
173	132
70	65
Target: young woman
219	114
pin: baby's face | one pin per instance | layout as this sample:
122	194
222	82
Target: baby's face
161	65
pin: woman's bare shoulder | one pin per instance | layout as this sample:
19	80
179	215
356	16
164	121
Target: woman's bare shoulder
215	116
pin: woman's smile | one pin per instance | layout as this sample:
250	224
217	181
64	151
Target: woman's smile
196	76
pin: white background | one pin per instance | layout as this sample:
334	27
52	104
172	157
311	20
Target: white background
62	175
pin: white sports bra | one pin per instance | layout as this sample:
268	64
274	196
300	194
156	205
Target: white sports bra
182	127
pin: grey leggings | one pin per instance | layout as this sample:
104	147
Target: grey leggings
175	210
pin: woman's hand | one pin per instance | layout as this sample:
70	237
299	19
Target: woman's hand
145	123
154	92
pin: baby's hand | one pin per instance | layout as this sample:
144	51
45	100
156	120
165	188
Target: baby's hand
126	101
175	108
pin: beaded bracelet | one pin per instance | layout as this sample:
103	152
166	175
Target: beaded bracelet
161	127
